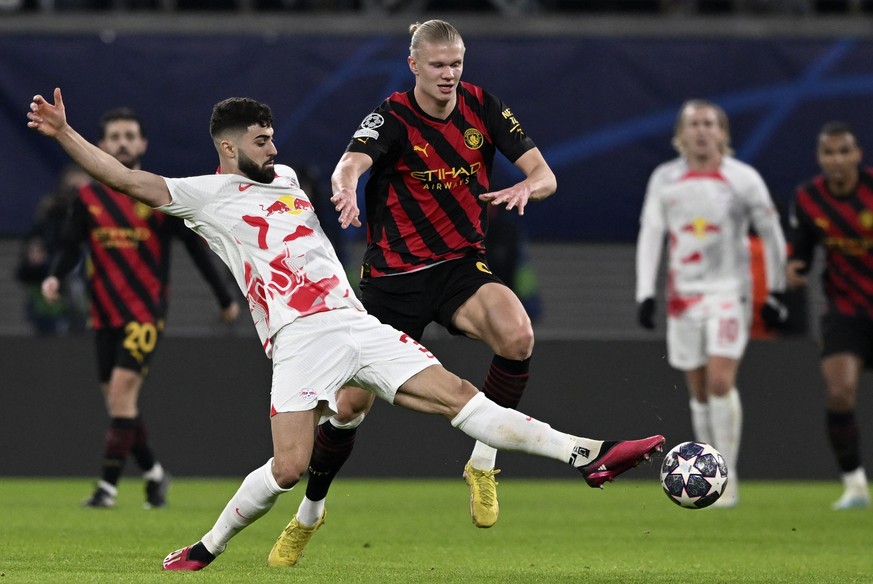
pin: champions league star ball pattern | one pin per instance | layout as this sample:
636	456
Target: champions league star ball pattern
694	475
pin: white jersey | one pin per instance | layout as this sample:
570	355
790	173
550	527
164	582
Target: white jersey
707	218
270	238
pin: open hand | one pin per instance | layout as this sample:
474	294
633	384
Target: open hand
346	203
46	118
514	197
51	289
795	271
229	313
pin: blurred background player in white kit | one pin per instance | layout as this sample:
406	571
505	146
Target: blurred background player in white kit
704	201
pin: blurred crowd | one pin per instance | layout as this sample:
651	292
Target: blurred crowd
39	246
667	7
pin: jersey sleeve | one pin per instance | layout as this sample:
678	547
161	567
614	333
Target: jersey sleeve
73	234
505	129
765	219
802	232
190	195
377	134
650	241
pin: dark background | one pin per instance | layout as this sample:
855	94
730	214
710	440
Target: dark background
600	108
207	400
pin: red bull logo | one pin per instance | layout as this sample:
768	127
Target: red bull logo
287	204
700	228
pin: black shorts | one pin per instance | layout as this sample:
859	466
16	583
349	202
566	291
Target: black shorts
130	347
847	334
409	302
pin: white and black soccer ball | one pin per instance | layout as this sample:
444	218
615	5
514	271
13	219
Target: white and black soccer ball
694	475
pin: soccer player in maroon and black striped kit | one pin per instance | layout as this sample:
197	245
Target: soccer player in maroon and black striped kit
430	152
129	262
835	210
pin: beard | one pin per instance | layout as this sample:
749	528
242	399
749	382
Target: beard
130	161
255	172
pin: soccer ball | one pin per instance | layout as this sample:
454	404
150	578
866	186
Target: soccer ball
694	475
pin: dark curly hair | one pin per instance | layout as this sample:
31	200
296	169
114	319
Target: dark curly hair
238	113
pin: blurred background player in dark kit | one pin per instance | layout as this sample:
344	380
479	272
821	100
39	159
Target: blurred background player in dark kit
834	210
128	246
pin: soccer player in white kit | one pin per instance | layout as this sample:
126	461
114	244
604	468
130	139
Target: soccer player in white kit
704	201
255	217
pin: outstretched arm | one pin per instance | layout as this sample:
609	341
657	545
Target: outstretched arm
344	185
539	183
51	120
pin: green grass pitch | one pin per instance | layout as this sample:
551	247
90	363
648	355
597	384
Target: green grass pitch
389	531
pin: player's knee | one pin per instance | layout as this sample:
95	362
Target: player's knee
840	397
288	472
121	404
351	405
465	391
720	387
518	345
719	383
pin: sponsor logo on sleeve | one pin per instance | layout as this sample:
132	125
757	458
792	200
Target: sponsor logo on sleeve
368	127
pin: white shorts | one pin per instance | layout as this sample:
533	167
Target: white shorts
316	355
715	325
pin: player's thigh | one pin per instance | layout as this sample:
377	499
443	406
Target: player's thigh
721	374
293	439
435	390
727	328
841	373
686	342
495	314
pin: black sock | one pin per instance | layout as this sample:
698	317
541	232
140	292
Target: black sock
506	380
332	448
843	434
117	444
199	553
141	450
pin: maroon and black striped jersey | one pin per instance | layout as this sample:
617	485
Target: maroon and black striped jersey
422	202
129	256
843	226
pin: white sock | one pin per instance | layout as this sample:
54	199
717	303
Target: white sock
506	429
309	511
108	487
726	417
155	473
700	422
855	480
347	425
483	457
256	495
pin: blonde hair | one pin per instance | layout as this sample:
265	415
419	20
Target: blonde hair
724	147
432	31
